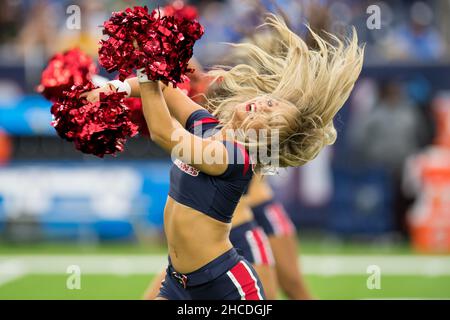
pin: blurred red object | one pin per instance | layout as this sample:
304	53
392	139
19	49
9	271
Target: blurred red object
5	148
429	218
64	70
136	115
442	118
180	10
97	128
428	173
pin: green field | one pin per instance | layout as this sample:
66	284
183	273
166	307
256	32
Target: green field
119	271
132	287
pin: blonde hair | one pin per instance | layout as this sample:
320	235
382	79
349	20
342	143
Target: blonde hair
314	83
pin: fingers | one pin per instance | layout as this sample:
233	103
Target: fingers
135	44
93	98
94	95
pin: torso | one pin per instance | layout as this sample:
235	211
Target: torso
193	238
198	211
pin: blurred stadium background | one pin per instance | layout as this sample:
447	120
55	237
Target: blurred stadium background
380	196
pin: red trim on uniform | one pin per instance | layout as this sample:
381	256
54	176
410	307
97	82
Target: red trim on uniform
204	121
246	281
246	157
281	215
261	246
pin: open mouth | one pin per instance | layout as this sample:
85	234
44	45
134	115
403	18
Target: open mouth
251	107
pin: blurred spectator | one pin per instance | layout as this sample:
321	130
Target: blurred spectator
36	42
10	20
37	37
416	39
387	135
93	14
420	91
392	131
218	19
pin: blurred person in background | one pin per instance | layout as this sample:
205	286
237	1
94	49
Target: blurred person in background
12	15
10	20
427	180
93	14
417	39
36	42
387	135
276	223
37	37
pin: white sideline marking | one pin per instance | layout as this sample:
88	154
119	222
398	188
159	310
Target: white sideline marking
10	271
323	265
389	265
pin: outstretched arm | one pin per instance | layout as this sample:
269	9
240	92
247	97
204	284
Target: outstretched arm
179	105
174	139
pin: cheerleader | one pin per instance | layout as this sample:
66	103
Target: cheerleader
276	223
297	96
251	243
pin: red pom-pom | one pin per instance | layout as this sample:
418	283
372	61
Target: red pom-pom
180	10
65	70
95	128
165	44
137	115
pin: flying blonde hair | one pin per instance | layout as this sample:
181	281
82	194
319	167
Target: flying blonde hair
314	83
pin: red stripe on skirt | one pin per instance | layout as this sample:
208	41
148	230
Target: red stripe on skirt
285	223
246	281
261	246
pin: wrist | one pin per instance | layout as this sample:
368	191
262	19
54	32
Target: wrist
142	76
121	86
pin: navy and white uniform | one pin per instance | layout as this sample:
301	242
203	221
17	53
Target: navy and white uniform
274	220
251	242
229	276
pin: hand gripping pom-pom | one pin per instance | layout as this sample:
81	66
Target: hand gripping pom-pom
95	128
64	70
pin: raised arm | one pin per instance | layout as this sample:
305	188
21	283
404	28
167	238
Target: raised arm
179	104
176	140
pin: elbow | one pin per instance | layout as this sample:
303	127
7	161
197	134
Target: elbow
160	138
152	136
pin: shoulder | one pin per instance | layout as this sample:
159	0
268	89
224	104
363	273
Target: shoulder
239	162
200	117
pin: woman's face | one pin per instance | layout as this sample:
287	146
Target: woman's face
257	106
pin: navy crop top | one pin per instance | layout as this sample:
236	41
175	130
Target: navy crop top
215	196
